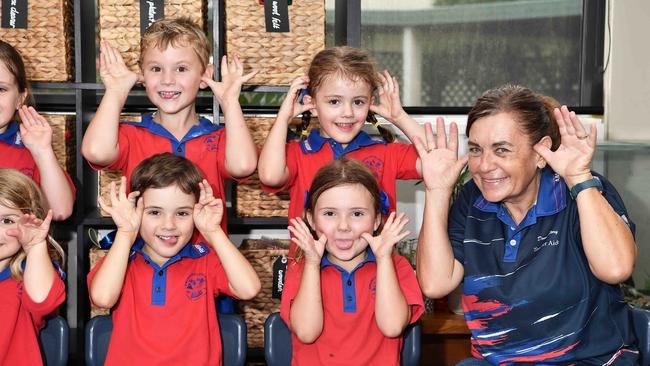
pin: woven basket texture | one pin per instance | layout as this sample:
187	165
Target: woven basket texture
251	199
260	253
94	256
63	140
279	57
119	23
46	43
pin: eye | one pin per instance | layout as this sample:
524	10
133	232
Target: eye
155	69
334	101
358	213
328	213
474	151
2	90
183	213
153	212
181	68
7	221
359	102
501	150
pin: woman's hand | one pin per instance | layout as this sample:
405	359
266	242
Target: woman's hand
382	245
208	212
31	230
312	249
572	160
232	79
114	73
291	105
390	106
441	166
35	131
126	211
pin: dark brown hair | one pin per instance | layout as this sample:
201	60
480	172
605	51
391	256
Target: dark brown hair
532	112
183	32
12	60
349	63
164	170
21	193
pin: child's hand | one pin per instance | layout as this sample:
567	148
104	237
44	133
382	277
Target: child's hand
126	211
382	244
390	106
232	79
31	230
291	106
313	249
35	132
208	211
113	71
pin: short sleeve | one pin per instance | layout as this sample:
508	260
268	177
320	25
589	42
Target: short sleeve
614	199
55	297
292	157
221	155
123	141
458	218
218	275
91	275
410	288
406	160
290	289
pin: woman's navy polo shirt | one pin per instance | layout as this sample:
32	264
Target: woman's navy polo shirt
528	292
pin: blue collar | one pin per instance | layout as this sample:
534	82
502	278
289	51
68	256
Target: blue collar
190	250
12	135
203	128
324	262
6	273
315	142
551	197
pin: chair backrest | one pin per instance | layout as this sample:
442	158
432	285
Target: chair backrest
54	340
277	343
231	326
641	323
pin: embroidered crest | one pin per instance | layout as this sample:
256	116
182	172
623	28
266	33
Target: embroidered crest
195	285
211	142
375	164
373	285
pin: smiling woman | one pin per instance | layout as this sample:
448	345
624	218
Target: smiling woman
539	240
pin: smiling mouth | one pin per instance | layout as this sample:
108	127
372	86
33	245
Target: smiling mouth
344	126
492	180
168	239
168	94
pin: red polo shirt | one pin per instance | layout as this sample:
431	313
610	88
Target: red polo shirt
21	320
350	333
388	162
204	144
167	315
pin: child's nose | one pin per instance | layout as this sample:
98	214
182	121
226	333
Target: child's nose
168	77
343	224
169	222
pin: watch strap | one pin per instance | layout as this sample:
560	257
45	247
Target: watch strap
589	183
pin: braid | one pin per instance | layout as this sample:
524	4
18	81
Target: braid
301	130
385	133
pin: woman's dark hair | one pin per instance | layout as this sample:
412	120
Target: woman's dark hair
347	62
532	112
164	170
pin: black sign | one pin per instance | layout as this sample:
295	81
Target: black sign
276	14
279	274
150	11
14	14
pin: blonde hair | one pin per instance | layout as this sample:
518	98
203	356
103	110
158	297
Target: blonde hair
21	193
176	32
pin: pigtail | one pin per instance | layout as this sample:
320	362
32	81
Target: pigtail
385	133
302	129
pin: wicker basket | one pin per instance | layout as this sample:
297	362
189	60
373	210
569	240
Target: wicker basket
46	45
119	23
260	254
63	140
279	57
94	256
251	199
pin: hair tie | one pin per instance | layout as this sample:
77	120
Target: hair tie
384	203
304	133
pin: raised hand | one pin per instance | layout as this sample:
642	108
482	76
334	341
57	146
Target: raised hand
115	75
312	249
126	211
208	211
441	166
390	106
291	106
232	79
572	160
382	245
35	131
31	230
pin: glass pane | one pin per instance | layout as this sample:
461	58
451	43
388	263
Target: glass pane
445	53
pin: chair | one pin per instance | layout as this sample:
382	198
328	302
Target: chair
277	343
641	324
53	341
231	326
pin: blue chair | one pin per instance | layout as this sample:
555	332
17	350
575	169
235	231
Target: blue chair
231	326
277	343
641	324
53	341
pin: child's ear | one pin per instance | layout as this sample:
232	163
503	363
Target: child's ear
207	73
21	99
377	222
310	219
307	99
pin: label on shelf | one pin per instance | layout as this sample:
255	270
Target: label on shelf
150	11
14	14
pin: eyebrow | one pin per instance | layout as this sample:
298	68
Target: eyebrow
496	144
340	96
177	208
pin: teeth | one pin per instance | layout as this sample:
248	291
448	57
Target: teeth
168	94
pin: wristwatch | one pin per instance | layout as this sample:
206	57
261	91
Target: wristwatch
589	183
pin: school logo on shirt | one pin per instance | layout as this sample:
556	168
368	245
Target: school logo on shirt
195	285
375	164
373	285
211	142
